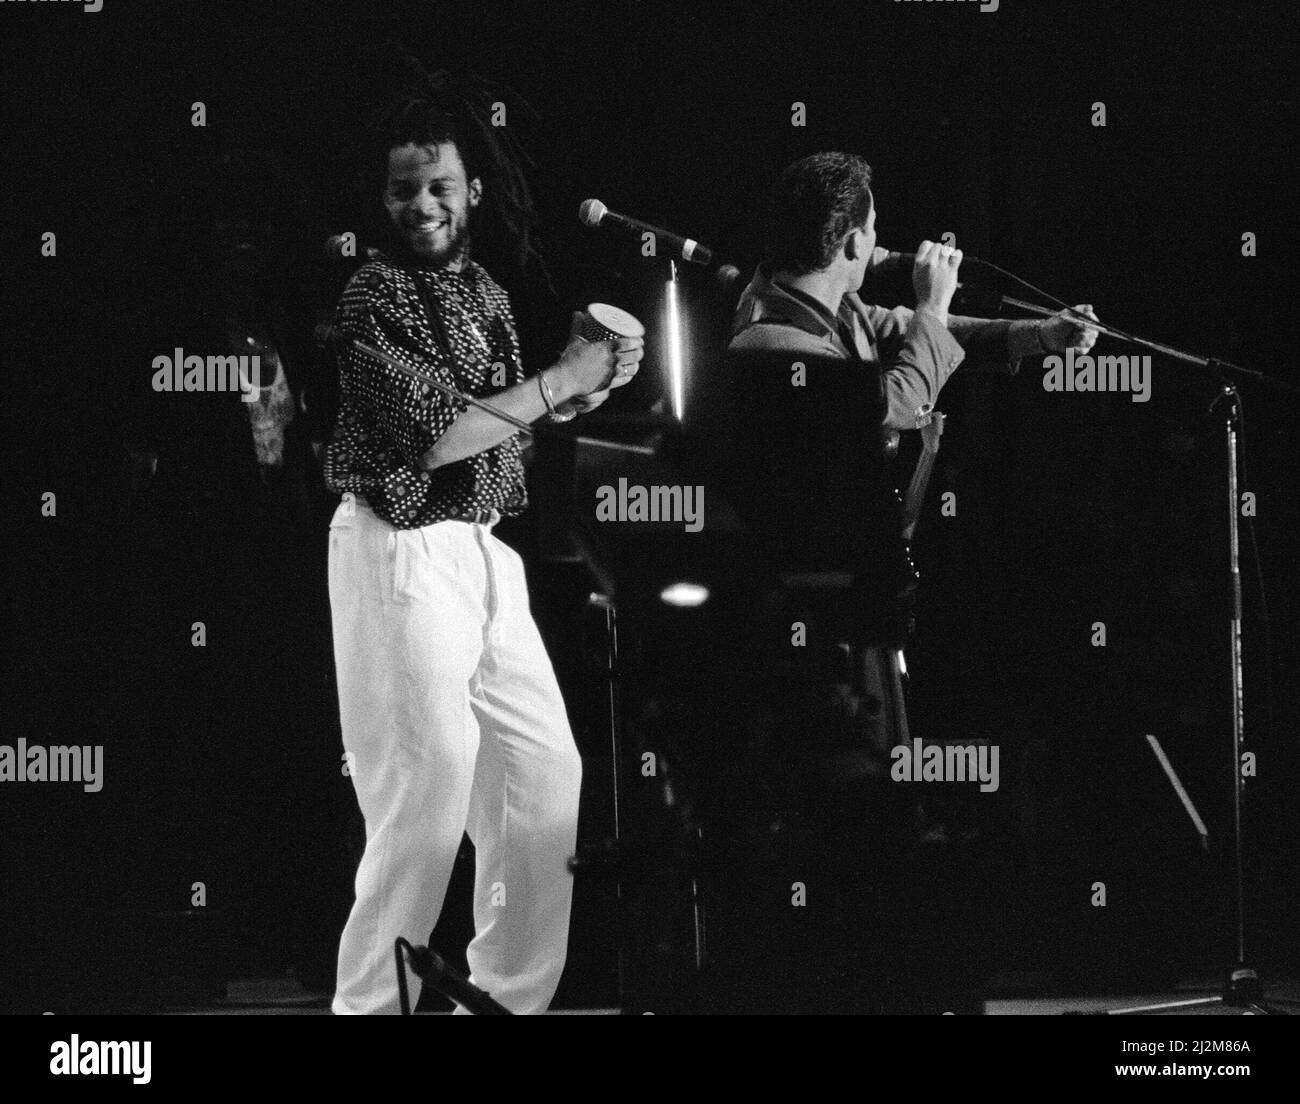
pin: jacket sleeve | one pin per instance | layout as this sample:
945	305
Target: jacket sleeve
413	414
917	355
996	344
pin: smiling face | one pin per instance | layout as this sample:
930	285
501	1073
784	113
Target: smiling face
429	200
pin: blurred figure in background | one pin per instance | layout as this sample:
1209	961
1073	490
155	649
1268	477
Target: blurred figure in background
226	520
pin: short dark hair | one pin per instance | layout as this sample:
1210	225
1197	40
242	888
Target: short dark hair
816	202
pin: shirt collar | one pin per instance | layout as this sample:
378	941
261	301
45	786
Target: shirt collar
770	301
405	260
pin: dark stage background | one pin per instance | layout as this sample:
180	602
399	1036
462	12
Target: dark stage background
1072	508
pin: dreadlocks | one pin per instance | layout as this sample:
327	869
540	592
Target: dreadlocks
427	108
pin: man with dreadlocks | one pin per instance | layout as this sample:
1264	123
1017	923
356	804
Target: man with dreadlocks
451	716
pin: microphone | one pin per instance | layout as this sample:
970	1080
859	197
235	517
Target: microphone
593	213
886	260
455	986
433	970
334	244
344	246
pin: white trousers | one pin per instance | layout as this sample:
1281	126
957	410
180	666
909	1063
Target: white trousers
453	722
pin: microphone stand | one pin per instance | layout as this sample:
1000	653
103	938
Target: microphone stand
1154	346
433	970
1241	986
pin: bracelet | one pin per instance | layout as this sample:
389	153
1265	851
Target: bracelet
552	412
547	397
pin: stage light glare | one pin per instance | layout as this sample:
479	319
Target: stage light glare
676	367
684	595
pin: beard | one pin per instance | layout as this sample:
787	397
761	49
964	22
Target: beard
455	249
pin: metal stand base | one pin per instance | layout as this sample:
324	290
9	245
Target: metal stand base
1241	989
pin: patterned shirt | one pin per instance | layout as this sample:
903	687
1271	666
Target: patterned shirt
388	420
